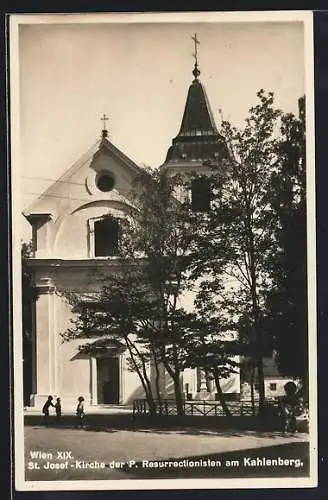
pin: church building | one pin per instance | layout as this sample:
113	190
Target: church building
75	231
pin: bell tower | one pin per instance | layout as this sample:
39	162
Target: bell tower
198	144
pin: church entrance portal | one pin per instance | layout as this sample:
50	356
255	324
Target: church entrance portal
108	380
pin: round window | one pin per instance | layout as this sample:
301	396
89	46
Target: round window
105	182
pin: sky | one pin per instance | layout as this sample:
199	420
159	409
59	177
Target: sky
139	74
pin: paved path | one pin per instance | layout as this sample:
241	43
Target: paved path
118	448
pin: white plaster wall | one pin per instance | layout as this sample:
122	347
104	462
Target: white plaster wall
231	385
44	336
190	378
280	391
72	241
65	235
73	371
123	175
132	387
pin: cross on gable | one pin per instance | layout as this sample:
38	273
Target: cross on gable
104	119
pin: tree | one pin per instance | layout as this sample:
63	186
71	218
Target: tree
287	300
239	234
208	348
160	231
223	256
121	312
142	303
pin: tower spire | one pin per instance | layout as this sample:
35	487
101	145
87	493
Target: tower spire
104	132
195	71
198	139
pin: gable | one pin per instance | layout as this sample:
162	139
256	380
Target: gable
97	185
83	182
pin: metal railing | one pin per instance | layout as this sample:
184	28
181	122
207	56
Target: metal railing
168	407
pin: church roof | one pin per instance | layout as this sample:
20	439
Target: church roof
197	116
198	137
67	186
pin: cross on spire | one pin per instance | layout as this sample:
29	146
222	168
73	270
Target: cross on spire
197	42
196	71
104	119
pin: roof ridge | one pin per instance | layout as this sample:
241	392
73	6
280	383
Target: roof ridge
83	159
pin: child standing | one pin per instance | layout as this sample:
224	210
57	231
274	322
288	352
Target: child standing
58	408
80	412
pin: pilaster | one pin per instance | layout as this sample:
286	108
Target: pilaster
45	339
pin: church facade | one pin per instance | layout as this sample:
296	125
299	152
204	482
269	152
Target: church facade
75	231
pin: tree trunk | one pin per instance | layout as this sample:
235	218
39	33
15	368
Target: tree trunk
174	373
178	394
224	405
157	383
260	372
207	380
150	398
255	307
252	379
258	343
142	376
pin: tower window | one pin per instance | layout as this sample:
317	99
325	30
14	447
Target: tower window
200	195
106	237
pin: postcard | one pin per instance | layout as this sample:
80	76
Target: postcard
163	229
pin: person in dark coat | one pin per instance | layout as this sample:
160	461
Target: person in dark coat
45	409
289	404
80	415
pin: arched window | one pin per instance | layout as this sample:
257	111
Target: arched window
104	237
106	234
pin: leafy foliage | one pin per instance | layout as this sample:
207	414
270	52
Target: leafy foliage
288	298
241	235
234	260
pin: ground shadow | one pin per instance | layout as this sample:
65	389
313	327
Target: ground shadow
236	426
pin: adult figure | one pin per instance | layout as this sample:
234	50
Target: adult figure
80	415
45	409
289	404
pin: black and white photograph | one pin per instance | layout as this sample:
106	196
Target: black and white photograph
163	250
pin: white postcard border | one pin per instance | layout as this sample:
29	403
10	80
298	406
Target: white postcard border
305	17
